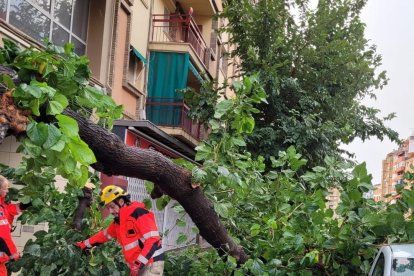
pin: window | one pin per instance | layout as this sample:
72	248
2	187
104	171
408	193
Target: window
136	65
59	20
379	266
3	9
403	266
223	61
145	3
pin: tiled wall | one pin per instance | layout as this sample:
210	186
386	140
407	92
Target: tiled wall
8	155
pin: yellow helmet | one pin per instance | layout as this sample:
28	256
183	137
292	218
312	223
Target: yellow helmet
111	192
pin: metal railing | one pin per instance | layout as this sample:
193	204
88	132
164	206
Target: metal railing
180	28
173	112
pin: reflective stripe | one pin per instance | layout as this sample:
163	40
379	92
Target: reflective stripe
4	222
157	253
142	259
150	234
131	245
87	243
105	232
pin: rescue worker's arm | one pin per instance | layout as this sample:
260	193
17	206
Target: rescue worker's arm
145	222
100	237
7	245
12	211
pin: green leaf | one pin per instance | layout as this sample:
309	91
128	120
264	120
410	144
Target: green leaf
54	108
178	209
203	152
222	209
214	124
31	148
37	133
53	137
360	171
162	202
148	203
59	146
68	125
222	108
7	80
255	230
195	230
198	174
34	106
181	238
24	199
239	142
81	151
34	250
61	99
34	91
355	195
223	171
247	125
37	202
180	223
149	186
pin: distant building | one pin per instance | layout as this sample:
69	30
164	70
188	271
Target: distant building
395	164
333	198
377	192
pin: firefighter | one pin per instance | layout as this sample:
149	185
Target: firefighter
135	230
8	250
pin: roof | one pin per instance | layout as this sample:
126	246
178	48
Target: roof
151	130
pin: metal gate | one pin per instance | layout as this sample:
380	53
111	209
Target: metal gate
166	219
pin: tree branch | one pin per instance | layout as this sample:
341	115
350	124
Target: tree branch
116	158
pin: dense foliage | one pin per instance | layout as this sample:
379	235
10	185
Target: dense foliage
275	207
282	216
52	80
316	66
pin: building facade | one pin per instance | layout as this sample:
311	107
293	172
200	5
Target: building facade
142	52
395	164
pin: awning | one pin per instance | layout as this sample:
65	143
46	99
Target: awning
168	72
194	70
138	55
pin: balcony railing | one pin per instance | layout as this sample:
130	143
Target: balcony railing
180	28
172	112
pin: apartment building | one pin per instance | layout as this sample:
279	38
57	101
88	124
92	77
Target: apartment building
395	164
142	52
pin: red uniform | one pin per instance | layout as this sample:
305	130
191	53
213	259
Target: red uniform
136	232
8	249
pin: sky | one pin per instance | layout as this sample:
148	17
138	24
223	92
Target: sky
390	27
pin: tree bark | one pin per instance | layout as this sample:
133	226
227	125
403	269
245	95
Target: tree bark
84	202
116	158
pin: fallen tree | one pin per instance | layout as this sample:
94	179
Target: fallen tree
116	158
113	157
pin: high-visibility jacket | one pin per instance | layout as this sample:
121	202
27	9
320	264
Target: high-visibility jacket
136	231
8	249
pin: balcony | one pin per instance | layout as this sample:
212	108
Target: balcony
170	114
175	30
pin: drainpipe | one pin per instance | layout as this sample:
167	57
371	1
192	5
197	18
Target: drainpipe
110	26
143	116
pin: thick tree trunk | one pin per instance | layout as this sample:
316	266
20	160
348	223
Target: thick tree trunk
116	158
